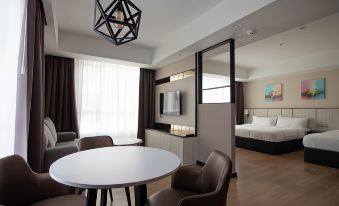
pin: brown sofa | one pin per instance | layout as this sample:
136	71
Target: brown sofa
19	185
57	145
196	186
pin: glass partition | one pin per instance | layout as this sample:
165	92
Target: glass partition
215	73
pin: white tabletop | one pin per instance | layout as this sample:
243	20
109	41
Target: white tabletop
113	167
126	141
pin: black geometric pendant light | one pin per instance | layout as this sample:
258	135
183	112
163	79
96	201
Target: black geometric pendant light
117	20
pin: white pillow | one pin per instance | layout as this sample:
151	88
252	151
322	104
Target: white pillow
264	121
292	122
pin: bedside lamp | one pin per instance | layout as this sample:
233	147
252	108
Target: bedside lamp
246	113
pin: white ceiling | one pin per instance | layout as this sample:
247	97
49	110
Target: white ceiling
291	51
160	18
173	29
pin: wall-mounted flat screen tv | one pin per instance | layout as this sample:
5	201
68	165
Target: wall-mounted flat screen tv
170	103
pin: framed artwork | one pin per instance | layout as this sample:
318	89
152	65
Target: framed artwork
273	92
313	89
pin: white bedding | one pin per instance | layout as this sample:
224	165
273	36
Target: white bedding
324	141
271	134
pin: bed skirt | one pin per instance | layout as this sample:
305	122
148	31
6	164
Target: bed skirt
272	148
321	157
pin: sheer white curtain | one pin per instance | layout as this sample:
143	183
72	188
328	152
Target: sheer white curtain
107	97
13	132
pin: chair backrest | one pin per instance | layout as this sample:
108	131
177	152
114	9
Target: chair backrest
87	143
16	179
216	174
50	133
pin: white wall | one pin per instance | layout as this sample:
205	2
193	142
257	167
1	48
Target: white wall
254	91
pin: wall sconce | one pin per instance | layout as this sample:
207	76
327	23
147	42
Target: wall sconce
246	113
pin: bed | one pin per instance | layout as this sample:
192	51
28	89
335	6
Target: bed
271	135
322	148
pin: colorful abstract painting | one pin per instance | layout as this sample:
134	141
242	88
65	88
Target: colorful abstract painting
273	92
313	89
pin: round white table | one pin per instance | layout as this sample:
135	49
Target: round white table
126	141
114	167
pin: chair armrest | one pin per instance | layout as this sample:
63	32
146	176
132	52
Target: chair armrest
46	187
66	136
187	178
55	153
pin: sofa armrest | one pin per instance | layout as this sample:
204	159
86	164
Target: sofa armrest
187	178
66	136
55	153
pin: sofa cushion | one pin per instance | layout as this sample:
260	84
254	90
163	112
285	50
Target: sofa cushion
71	200
49	123
168	197
49	139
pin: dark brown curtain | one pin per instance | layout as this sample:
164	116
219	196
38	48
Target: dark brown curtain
239	102
35	82
146	102
60	103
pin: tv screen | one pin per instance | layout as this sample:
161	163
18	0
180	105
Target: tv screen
170	103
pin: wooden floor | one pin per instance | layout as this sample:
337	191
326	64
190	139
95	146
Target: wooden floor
265	180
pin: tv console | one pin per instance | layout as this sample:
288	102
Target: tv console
180	142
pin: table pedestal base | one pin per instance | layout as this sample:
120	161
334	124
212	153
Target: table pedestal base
140	193
91	197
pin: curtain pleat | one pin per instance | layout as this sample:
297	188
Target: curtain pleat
146	102
35	83
60	103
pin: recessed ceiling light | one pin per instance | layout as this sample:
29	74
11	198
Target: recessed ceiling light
302	27
236	26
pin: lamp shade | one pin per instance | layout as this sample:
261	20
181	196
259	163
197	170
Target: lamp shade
117	21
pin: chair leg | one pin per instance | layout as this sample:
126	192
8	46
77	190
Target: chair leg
128	196
111	194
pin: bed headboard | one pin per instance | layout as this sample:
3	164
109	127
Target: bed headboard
320	119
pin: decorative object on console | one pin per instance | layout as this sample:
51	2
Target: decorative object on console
313	89
246	113
273	92
118	21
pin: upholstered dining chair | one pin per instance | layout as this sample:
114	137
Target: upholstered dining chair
94	142
19	185
196	186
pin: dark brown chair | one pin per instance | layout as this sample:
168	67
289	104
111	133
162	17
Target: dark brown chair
87	143
19	185
196	186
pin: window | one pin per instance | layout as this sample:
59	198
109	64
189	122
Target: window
12	73
107	98
216	88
